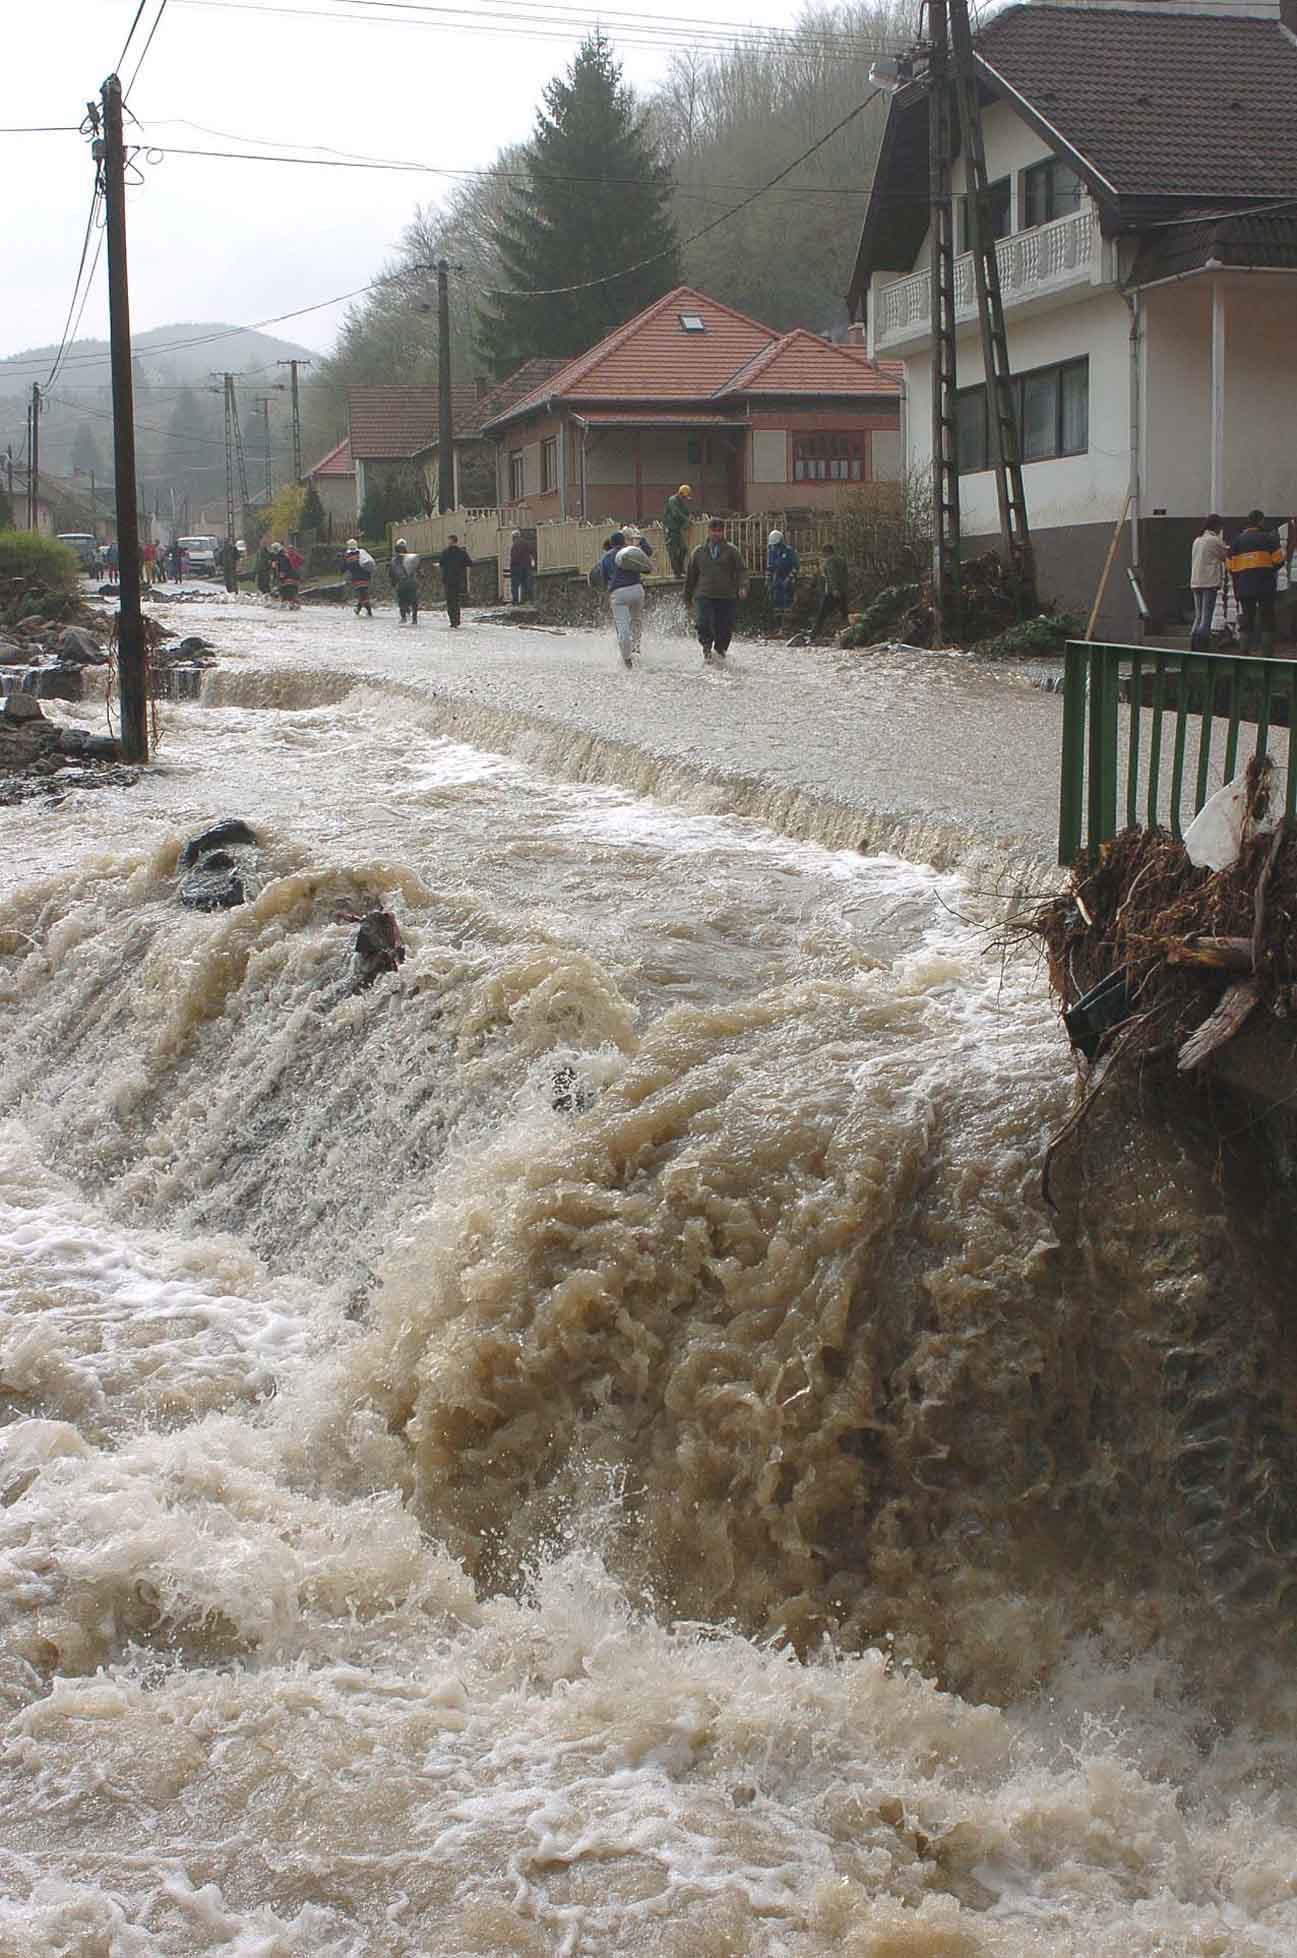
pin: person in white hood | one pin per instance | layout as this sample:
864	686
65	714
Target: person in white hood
359	567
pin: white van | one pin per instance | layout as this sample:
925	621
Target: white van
84	545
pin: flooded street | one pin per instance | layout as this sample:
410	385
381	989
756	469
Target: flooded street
593	1445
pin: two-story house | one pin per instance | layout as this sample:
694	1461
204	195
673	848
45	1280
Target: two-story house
1143	169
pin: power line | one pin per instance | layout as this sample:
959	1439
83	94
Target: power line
130	36
157	22
76	284
41	129
698	31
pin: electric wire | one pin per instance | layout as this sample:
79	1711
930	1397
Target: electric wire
157	22
76	283
139	11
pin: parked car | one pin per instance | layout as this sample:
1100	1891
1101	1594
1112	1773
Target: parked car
86	548
200	556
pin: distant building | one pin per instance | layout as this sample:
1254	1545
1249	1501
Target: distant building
334	480
692	391
1143	182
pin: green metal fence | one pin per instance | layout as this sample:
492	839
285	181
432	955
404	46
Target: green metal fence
1148	735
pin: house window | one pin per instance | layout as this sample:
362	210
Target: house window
1053	406
1049	190
516	482
999	198
549	464
693	323
828	458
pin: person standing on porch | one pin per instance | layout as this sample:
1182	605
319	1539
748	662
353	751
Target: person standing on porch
1254	562
1207	563
716	580
521	560
676	518
454	563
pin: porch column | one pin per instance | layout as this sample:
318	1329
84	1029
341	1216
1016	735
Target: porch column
1216	497
639	477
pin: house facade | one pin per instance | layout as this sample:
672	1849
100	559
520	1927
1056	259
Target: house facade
1139	159
692	391
391	425
334	481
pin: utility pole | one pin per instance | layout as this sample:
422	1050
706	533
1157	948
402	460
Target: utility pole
292	366
263	402
445	419
34	455
132	669
953	97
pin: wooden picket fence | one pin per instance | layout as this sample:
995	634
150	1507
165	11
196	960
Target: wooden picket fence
478	530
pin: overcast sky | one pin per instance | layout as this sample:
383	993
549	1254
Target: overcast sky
242	241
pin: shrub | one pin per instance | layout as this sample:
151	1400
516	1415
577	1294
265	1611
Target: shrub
1043	636
38	560
885	534
885	611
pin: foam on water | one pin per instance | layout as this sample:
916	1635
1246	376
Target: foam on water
595	1445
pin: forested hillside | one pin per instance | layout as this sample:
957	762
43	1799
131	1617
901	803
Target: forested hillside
723	125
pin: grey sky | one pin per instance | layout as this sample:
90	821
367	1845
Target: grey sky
242	241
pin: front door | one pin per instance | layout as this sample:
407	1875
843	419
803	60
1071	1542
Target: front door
734	471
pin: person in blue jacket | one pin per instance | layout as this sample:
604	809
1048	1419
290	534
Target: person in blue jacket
621	573
782	567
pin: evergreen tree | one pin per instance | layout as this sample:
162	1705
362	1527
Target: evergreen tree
596	198
86	459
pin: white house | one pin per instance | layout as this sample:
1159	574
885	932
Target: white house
1143	171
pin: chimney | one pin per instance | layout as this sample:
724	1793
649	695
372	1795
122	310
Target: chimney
856	336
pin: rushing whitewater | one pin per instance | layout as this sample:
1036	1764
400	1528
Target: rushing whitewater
595	1445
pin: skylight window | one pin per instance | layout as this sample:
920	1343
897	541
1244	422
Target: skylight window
693	323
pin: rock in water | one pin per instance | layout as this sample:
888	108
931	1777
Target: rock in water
232	829
193	644
78	648
212	890
378	948
21	707
57	682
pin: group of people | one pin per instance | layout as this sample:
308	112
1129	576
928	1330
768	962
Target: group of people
715	580
1252	562
454	563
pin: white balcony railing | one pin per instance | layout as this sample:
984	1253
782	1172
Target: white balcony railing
1031	263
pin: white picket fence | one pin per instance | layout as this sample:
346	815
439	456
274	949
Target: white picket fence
479	531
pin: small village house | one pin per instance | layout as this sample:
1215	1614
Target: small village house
1143	169
393	425
692	391
334	480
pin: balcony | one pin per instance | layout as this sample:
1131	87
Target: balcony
1033	265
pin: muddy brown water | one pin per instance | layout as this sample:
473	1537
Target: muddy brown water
722	1512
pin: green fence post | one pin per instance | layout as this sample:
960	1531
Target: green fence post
1072	773
1101	784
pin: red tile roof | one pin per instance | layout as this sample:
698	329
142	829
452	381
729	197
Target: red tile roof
666	418
526	379
653	359
338	462
803	363
391	424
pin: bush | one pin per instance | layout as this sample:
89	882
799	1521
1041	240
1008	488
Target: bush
1044	636
38	560
885	534
885	611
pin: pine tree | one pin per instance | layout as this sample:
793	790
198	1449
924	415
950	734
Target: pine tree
86	459
596	199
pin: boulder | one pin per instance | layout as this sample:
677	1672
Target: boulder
85	746
77	647
212	890
378	948
57	682
193	644
232	829
19	707
11	654
32	623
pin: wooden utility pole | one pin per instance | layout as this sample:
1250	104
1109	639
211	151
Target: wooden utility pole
34	459
445	413
132	666
263	402
292	366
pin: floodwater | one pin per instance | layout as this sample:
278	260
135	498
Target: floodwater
595	1445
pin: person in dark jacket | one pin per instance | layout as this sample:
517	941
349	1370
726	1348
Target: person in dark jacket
621	574
1254	560
454	563
833	590
675	522
265	570
715	581
287	567
403	576
521	560
359	568
230	564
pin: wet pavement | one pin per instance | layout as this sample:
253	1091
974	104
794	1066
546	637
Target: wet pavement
930	755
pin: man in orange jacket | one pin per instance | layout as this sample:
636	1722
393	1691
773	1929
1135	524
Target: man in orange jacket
1254	560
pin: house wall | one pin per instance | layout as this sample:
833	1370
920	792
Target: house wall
1260	405
769	481
338	496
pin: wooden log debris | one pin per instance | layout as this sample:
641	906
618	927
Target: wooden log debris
1219	954
1220	1026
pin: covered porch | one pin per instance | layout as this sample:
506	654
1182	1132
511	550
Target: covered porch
629	462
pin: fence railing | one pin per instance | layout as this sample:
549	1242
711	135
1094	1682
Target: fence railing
477	530
1148	735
